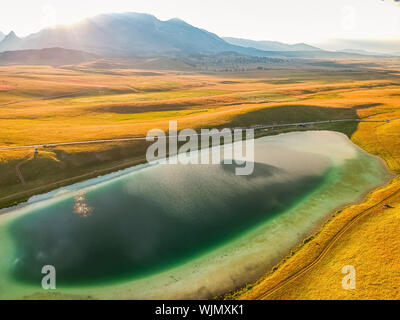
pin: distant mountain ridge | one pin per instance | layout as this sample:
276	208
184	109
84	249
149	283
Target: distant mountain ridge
364	52
2	35
270	45
124	34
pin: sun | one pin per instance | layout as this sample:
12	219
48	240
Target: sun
52	16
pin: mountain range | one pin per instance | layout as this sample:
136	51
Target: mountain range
125	34
270	45
138	34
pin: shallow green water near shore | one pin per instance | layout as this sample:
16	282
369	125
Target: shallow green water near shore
151	222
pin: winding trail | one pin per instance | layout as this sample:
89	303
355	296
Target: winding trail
18	169
327	248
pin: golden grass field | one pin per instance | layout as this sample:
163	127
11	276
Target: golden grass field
41	105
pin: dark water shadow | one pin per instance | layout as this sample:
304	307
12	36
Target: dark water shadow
131	236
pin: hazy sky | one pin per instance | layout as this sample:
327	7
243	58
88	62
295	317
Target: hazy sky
312	21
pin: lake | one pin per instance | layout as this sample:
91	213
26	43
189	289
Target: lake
183	231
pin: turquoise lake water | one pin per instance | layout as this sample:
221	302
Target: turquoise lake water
147	221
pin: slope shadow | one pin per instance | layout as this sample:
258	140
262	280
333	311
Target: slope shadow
299	114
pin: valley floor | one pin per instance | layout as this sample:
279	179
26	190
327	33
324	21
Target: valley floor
43	104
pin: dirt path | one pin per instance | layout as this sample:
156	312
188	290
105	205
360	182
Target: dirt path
328	247
18	169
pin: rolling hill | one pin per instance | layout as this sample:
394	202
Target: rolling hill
50	56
